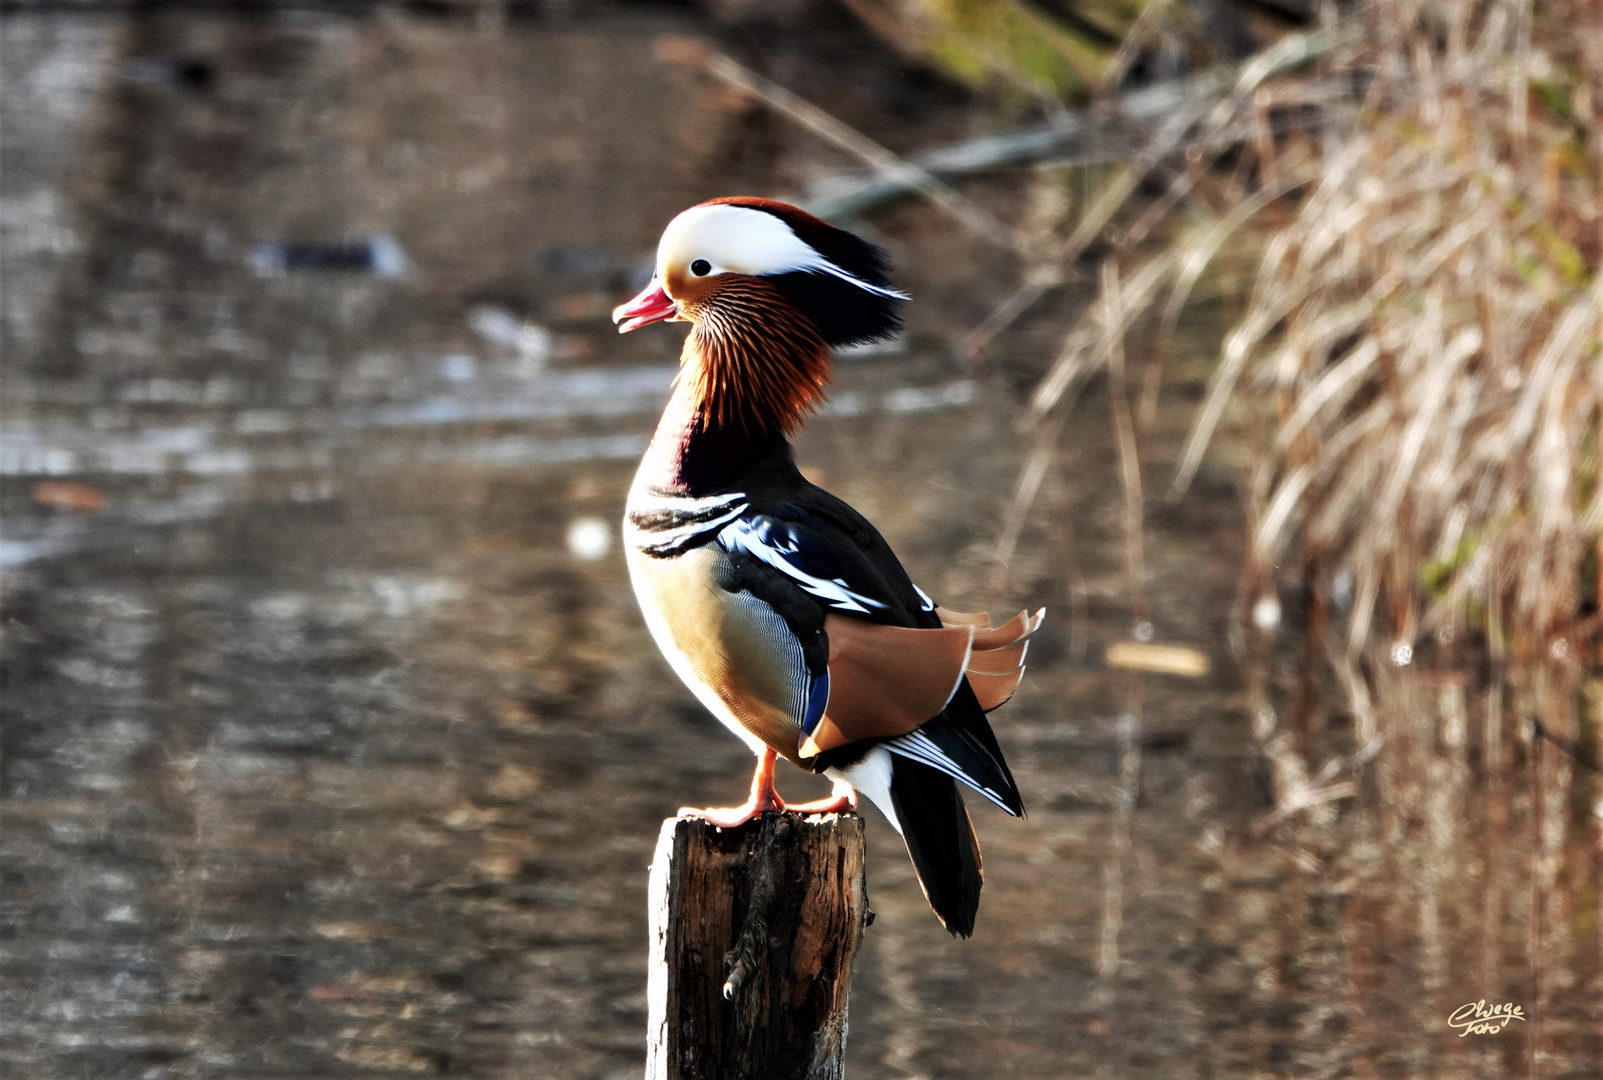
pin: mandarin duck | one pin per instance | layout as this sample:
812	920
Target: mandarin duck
780	607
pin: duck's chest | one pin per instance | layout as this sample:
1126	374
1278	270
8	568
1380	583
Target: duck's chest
731	649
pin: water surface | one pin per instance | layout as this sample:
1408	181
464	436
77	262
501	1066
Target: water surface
325	756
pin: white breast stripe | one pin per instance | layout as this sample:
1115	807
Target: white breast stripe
665	538
649	502
688	518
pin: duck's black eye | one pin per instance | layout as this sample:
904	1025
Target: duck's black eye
701	268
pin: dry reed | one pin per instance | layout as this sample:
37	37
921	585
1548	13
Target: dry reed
1423	333
1426	330
1418	357
1417	364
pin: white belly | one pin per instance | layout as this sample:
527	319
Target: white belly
872	777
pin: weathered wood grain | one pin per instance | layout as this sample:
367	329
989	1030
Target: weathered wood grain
753	931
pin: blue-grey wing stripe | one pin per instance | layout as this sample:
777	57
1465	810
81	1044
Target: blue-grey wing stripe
799	684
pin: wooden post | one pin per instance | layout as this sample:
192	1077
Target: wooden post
753	931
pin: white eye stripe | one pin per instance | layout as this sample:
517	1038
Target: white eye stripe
824	266
742	240
734	238
878	290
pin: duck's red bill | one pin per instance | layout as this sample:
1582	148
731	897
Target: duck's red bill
652	305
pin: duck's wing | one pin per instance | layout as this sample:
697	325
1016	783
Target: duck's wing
822	559
896	672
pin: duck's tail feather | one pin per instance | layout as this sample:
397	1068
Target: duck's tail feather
959	743
940	838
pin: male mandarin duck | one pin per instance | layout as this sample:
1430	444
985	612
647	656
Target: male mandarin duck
782	609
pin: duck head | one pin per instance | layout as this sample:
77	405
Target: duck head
768	289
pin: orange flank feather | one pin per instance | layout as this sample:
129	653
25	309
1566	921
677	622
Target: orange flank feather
886	681
949	617
992	691
1018	628
996	665
755	362
998	661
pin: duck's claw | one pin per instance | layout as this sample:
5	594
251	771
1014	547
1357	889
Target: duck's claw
843	800
727	817
763	798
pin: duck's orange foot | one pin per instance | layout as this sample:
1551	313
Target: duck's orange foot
764	798
731	817
843	801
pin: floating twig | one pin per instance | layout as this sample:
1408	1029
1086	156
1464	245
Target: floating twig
1160	659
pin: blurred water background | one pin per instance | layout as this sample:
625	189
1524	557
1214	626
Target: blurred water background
334	746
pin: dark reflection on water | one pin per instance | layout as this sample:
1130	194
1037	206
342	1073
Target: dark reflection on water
324	755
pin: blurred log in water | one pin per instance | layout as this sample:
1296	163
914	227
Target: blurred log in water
753	931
